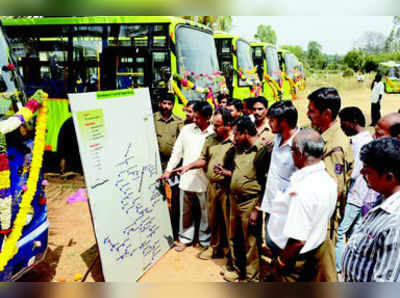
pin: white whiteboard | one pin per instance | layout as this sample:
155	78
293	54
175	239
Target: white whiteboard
120	159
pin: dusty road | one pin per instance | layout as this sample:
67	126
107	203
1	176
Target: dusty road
72	245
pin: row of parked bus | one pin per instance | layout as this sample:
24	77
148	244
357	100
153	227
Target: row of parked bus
82	54
166	54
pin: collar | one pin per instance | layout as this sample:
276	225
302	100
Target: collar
306	171
208	131
328	134
265	128
360	136
289	142
255	148
391	204
159	117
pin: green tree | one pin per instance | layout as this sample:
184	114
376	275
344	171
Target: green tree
354	59
223	23
297	50
316	58
266	34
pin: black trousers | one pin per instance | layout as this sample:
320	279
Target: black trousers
375	112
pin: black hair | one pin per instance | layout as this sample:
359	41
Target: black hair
326	98
262	100
378	78
244	123
353	115
204	108
237	103
191	103
249	102
225	114
221	96
383	155
395	130
167	96
284	110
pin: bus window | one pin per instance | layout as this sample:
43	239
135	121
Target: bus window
42	53
272	63
87	48
244	57
196	54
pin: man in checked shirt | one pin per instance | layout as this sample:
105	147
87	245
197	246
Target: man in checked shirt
373	251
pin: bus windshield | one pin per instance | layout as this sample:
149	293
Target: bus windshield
273	63
244	57
196	55
6	76
291	62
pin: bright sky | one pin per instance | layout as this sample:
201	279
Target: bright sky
336	34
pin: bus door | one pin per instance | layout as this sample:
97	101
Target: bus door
225	59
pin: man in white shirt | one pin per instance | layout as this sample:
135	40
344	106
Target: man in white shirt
378	89
283	122
352	122
193	184
299	217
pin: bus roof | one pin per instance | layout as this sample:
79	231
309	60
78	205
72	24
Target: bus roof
100	20
222	35
262	44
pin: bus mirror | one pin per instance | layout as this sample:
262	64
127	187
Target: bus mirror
165	73
227	69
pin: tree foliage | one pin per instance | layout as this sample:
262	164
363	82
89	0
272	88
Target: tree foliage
266	34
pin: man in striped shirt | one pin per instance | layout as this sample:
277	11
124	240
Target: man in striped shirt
373	251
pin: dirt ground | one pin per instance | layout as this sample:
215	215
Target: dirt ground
72	246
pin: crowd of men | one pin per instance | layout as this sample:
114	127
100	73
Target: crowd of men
280	202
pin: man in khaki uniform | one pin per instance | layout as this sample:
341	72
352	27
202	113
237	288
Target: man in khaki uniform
213	152
167	128
338	157
246	164
259	109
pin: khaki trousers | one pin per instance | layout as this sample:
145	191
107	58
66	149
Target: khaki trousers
245	239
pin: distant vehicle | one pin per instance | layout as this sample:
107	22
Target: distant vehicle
391	76
236	62
32	244
265	57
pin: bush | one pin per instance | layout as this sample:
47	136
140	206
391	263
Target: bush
348	72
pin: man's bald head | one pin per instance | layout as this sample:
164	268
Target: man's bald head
388	126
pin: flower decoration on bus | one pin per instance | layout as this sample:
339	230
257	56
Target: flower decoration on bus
13	231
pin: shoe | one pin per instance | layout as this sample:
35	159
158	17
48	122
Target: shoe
218	254
206	254
232	276
226	268
179	247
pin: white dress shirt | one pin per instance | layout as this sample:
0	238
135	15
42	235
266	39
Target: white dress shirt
280	170
188	146
356	143
377	90
303	211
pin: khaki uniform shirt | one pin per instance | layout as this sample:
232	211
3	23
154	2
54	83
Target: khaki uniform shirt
338	158
265	134
248	168
167	132
213	152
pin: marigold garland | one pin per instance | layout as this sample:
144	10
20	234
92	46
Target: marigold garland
10	247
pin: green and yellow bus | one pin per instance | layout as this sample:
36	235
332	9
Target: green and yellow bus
265	57
236	62
288	63
391	76
64	55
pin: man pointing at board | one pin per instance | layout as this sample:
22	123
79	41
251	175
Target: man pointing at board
193	184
